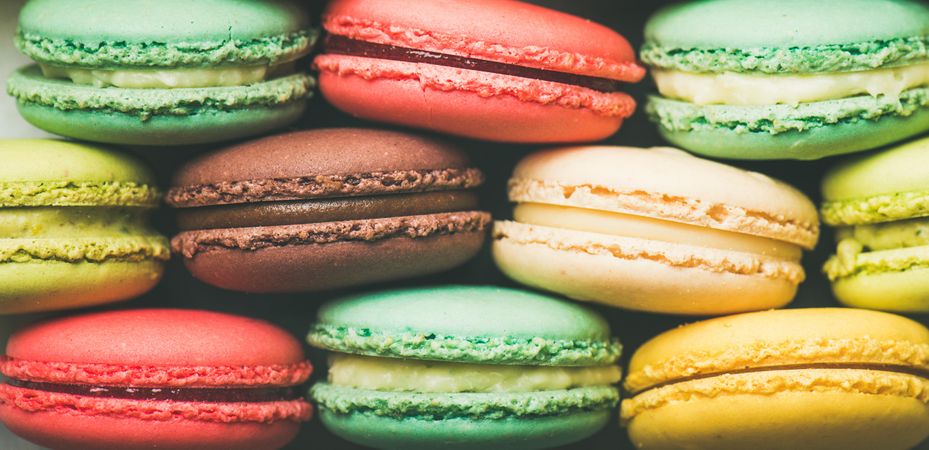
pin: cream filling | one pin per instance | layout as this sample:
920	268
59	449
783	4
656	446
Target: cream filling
163	78
403	375
73	222
618	224
730	88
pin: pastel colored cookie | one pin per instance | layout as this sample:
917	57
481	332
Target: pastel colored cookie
654	230
221	70
464	368
799	80
487	69
829	379
879	204
166	379
325	209
73	227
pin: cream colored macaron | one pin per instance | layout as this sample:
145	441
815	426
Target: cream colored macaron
791	379
654	230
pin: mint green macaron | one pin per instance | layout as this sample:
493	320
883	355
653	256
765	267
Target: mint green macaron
464	368
791	79
191	72
73	229
880	204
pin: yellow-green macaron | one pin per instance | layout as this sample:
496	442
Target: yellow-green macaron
654	230
829	379
880	205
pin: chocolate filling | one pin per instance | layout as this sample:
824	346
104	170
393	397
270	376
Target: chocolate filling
324	210
211	395
342	45
915	371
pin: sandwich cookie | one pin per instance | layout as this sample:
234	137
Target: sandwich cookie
654	230
880	204
74	227
190	72
791	79
488	69
326	209
464	368
166	379
829	379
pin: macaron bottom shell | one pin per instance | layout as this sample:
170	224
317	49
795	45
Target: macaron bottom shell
903	291
315	267
816	142
637	284
67	430
204	127
468	114
784	420
53	285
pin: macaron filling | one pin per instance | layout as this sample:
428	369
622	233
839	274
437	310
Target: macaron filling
342	45
748	89
168	78
405	375
627	225
210	395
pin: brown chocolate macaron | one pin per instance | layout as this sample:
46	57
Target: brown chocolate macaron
326	209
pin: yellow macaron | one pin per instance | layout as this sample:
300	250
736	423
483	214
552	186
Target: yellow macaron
654	230
840	378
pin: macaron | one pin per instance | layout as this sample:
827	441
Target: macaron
162	73
654	230
791	79
73	226
878	202
464	368
829	379
488	69
326	209
166	379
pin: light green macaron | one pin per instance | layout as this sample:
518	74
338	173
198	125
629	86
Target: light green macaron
167	72
880	202
73	227
464	368
789	79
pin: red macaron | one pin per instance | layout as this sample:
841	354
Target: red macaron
166	379
489	69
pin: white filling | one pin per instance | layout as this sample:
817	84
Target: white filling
752	90
626	225
403	375
161	78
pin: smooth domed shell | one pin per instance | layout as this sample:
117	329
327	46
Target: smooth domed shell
900	169
52	160
728	24
157	337
343	151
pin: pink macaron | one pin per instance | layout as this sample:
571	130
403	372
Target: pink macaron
166	379
489	69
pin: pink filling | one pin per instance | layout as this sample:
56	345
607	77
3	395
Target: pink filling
266	412
156	376
484	84
538	57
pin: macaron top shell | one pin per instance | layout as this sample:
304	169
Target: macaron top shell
477	324
157	337
511	32
103	32
885	178
667	184
337	162
792	337
44	172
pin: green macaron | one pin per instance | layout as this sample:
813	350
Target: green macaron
791	79
191	72
880	204
73	228
464	368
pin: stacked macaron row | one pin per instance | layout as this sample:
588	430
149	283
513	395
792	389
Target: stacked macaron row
264	210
